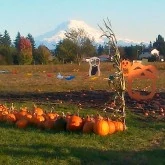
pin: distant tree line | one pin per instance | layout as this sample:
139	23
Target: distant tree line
76	46
22	51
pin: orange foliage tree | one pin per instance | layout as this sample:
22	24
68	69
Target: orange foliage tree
25	51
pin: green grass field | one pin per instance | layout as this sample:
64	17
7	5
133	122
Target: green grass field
142	143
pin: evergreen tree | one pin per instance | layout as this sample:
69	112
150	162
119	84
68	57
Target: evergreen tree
5	39
150	46
0	39
17	40
130	52
122	52
100	50
31	39
106	48
160	45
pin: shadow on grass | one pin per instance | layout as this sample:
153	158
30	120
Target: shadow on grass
85	155
143	122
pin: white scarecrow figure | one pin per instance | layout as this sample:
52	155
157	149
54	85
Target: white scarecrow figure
94	68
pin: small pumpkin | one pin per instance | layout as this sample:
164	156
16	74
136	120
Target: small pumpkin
101	127
60	124
39	118
3	115
112	127
3	107
28	117
48	124
10	118
22	123
125	66
51	115
21	114
75	123
38	111
88	125
119	126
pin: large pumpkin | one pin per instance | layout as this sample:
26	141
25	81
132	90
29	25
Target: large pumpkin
101	127
139	71
75	123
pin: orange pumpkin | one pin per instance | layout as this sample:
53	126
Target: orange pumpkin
51	115
48	124
75	123
22	123
142	72
125	66
3	115
88	125
10	118
68	116
38	111
101	127
112	127
39	118
119	126
29	116
21	114
2	107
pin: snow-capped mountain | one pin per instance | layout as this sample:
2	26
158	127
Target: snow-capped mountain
51	38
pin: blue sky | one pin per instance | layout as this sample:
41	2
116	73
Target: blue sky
138	20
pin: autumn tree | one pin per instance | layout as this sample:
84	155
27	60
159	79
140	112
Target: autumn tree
25	51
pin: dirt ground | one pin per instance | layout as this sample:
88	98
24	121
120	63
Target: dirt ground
89	99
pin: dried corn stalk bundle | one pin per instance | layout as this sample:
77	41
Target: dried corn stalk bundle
117	79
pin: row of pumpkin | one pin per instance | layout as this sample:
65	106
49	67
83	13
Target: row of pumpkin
22	118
